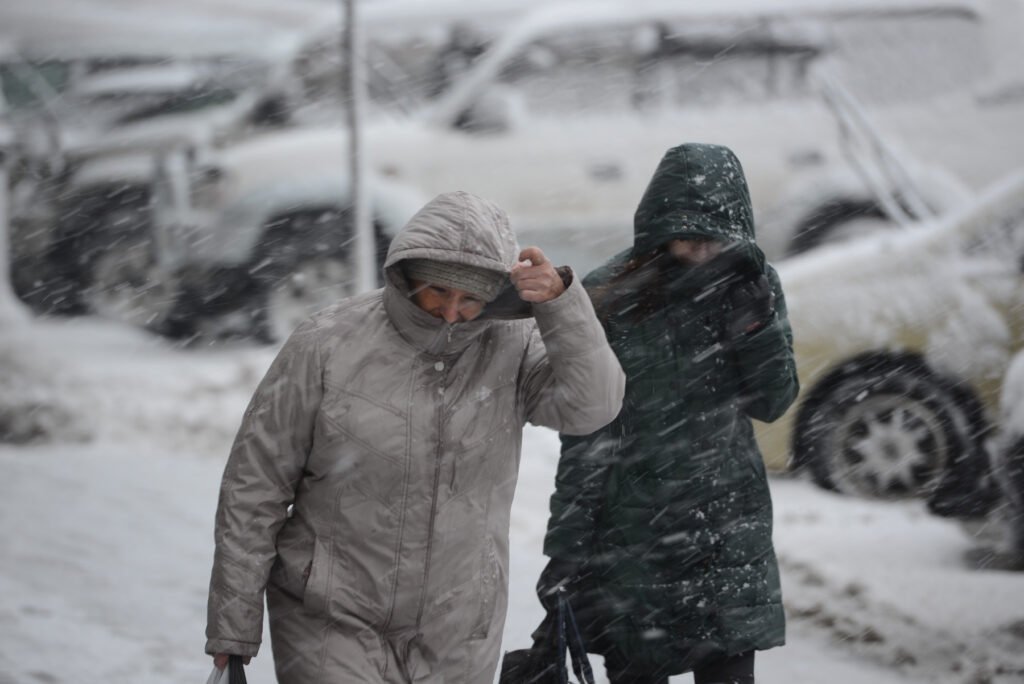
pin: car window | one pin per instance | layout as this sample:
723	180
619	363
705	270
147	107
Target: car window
20	92
734	62
882	58
402	72
659	65
182	103
574	71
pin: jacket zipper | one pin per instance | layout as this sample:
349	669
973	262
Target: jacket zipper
438	457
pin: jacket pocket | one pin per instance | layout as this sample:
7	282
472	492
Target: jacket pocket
318	583
294	557
488	592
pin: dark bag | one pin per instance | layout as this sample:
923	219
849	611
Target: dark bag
545	662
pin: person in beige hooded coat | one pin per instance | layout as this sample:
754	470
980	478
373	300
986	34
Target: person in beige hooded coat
369	489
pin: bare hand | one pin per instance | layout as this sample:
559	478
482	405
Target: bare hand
220	661
535	278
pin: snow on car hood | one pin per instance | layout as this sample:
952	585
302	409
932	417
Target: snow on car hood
917	283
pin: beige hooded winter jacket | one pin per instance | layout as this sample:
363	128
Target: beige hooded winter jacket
370	484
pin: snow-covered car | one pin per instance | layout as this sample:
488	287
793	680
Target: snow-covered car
115	130
902	340
121	131
263	238
92	146
153	107
562	118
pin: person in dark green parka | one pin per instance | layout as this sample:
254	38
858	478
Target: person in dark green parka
661	523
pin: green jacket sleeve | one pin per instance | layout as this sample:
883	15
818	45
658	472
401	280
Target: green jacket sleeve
767	368
579	492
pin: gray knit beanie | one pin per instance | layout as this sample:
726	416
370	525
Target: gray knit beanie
482	282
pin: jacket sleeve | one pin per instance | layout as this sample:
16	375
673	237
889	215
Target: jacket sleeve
767	368
571	380
583	469
262	472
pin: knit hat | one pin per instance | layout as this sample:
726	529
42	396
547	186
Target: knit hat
482	282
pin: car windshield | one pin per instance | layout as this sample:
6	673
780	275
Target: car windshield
663	65
404	71
19	89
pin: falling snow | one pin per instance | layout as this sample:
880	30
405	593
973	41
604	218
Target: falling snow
113	437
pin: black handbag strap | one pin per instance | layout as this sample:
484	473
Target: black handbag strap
569	635
236	670
563	605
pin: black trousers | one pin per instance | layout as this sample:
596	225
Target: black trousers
737	669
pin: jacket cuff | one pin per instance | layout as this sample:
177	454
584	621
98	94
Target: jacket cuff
240	648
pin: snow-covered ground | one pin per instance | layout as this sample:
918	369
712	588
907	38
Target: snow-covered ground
106	535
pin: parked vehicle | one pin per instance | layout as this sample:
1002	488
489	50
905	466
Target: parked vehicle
560	118
91	136
129	133
139	108
263	239
902	342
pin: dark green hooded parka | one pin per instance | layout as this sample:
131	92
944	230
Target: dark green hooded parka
668	507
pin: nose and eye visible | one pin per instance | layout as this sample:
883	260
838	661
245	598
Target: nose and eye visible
695	251
449	303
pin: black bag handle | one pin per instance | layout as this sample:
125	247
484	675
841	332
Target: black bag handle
236	670
569	636
544	663
577	650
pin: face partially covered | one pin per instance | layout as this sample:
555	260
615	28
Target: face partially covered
451	304
695	251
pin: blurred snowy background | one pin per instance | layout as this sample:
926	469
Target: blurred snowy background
175	196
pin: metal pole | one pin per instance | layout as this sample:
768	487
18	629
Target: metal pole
11	310
364	251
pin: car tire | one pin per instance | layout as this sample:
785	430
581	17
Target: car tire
885	426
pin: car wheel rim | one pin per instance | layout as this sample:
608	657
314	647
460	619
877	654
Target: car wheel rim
128	286
313	285
889	446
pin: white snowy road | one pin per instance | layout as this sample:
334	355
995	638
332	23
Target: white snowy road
106	545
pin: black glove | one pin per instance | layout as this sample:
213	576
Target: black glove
751	306
557	574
